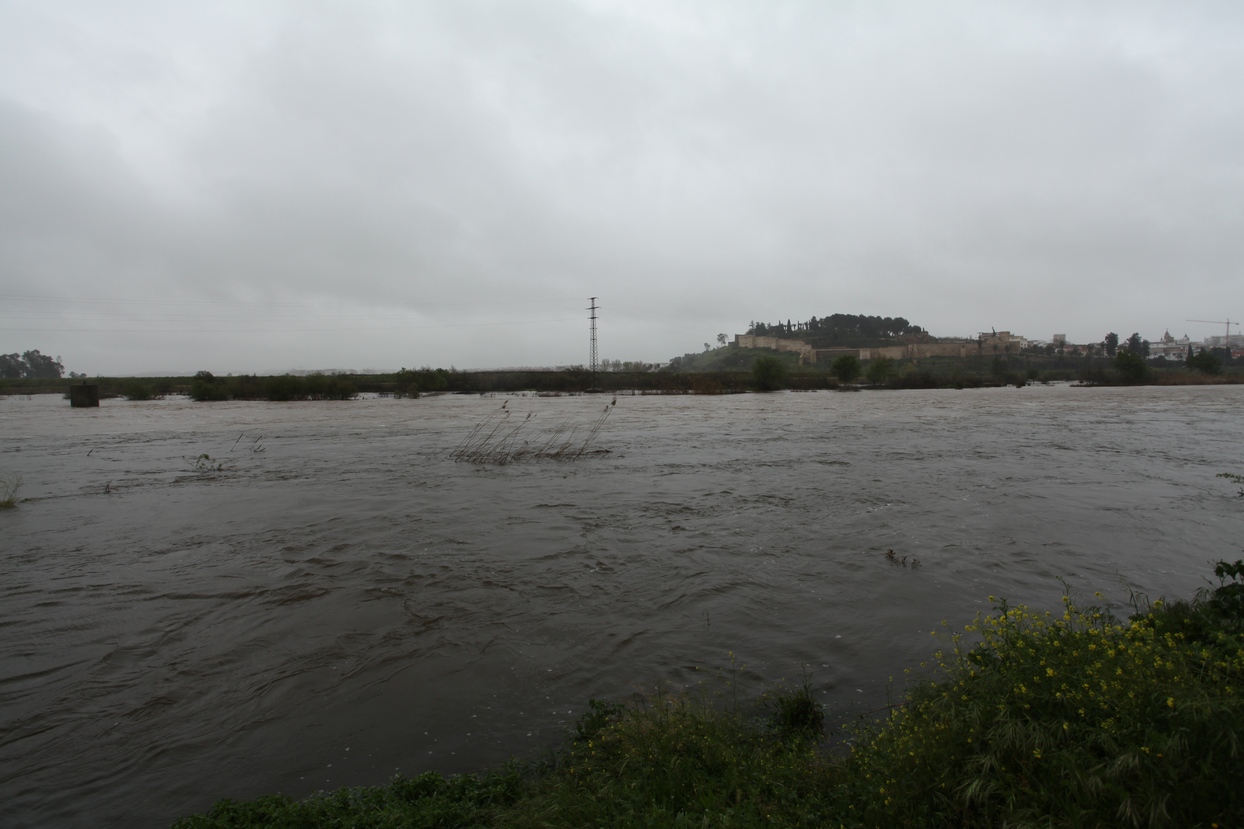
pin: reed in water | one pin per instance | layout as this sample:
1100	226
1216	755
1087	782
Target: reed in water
497	439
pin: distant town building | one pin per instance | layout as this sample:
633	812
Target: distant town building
1000	342
1170	348
1233	341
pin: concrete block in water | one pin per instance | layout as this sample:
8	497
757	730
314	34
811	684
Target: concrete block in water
84	396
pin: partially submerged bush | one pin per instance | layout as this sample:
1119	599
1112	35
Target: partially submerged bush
9	485
207	387
769	373
1235	479
797	714
136	390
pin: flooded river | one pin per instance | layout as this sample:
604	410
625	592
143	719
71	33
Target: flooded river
329	597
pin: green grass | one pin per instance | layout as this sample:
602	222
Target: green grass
1032	719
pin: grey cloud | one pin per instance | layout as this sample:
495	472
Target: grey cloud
1038	167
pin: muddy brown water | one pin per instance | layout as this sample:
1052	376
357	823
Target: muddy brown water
342	600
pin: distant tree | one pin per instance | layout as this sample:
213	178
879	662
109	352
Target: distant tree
12	366
205	387
31	364
768	373
43	366
879	370
1111	344
842	329
1137	346
846	368
1131	366
339	387
1205	362
285	387
721	339
707	348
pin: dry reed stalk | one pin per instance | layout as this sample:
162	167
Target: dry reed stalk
490	442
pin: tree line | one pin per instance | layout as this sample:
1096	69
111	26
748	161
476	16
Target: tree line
846	330
31	364
206	387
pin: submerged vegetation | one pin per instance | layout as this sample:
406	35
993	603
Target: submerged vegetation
205	464
1235	479
1074	718
9	485
496	440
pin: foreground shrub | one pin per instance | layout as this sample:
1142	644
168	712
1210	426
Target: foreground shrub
680	762
1071	720
661	762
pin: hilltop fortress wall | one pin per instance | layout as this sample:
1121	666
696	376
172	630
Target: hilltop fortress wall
909	351
807	354
917	351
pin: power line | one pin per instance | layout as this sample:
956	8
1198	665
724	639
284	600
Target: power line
241	304
61	329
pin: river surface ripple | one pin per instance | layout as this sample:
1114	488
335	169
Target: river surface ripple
343	600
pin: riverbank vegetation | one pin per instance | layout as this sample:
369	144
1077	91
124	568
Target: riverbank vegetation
1068	718
972	371
725	370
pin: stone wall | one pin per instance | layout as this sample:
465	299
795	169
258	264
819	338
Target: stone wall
920	351
911	351
805	351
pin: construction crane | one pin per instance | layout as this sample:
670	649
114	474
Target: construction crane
1226	322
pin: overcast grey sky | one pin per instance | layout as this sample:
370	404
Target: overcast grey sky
257	186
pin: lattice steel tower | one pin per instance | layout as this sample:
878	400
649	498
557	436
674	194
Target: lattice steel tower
594	361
